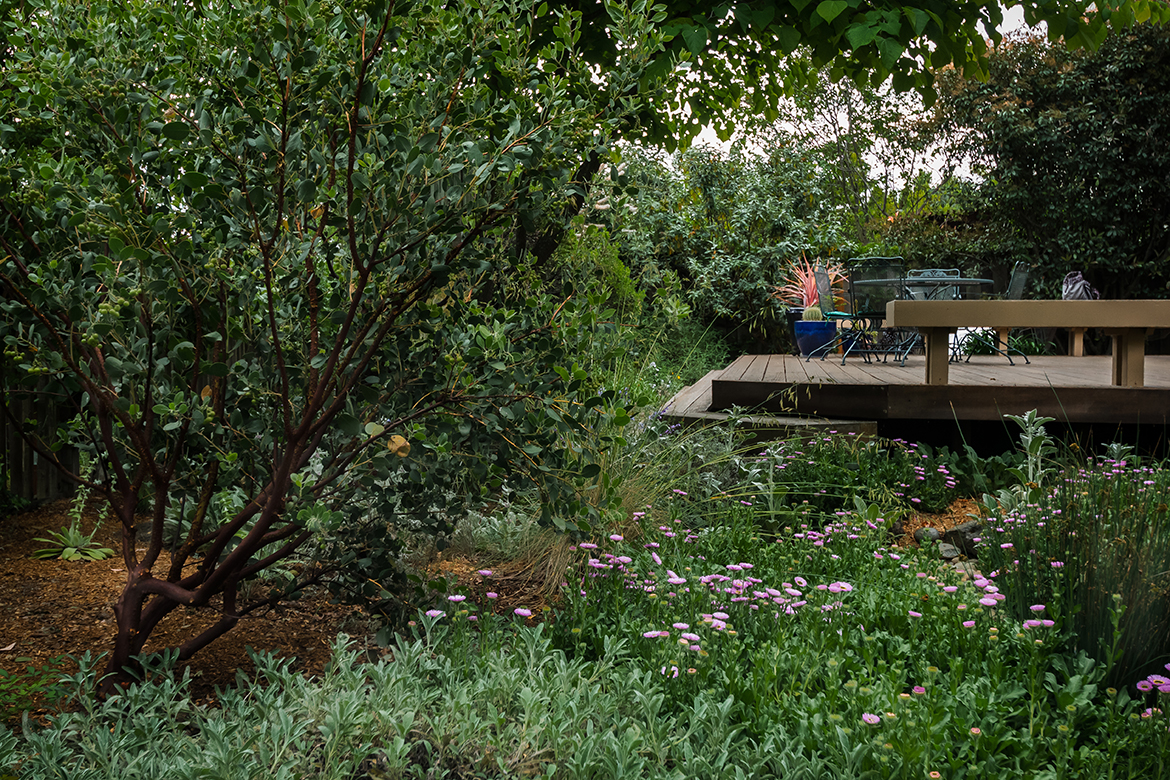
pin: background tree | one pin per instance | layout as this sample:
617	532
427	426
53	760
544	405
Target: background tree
878	156
245	241
725	226
1071	147
736	57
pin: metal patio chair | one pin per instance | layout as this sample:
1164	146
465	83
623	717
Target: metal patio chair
827	302
1014	292
874	282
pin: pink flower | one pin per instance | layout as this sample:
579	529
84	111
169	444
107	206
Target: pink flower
484	572
870	719
522	612
914	614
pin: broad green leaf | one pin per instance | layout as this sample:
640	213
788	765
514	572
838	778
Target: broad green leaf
696	38
788	38
860	34
176	131
831	9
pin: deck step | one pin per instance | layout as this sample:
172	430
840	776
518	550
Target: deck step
692	406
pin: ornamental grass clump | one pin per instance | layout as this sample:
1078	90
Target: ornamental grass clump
1094	543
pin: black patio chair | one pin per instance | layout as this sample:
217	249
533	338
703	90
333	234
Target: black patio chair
827	303
874	282
932	291
1014	292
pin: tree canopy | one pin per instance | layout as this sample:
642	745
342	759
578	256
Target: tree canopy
738	53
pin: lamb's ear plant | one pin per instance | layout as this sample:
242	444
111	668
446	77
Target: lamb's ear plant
1032	477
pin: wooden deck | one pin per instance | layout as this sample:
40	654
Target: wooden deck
1069	389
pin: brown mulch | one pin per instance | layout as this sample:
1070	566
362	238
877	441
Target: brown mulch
51	608
959	512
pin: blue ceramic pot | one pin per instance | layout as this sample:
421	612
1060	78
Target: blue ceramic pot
813	336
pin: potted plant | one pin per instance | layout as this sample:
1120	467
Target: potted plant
814	334
799	291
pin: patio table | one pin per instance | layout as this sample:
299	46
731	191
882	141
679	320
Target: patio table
1126	321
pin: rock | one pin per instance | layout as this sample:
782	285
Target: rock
963	537
948	551
927	534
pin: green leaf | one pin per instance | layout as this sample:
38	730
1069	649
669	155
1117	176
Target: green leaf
918	18
859	35
374	429
831	9
176	131
762	17
891	52
193	179
348	424
695	38
788	38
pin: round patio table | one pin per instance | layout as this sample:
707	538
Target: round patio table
933	288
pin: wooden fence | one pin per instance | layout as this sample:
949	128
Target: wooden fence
22	469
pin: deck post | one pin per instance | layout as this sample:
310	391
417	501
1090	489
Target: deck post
938	354
1129	356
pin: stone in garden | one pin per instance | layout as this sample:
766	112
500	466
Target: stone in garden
948	551
964	536
927	534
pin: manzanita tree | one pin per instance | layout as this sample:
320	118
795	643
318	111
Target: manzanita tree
247	243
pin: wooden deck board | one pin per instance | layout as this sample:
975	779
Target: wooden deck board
1077	389
696	398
